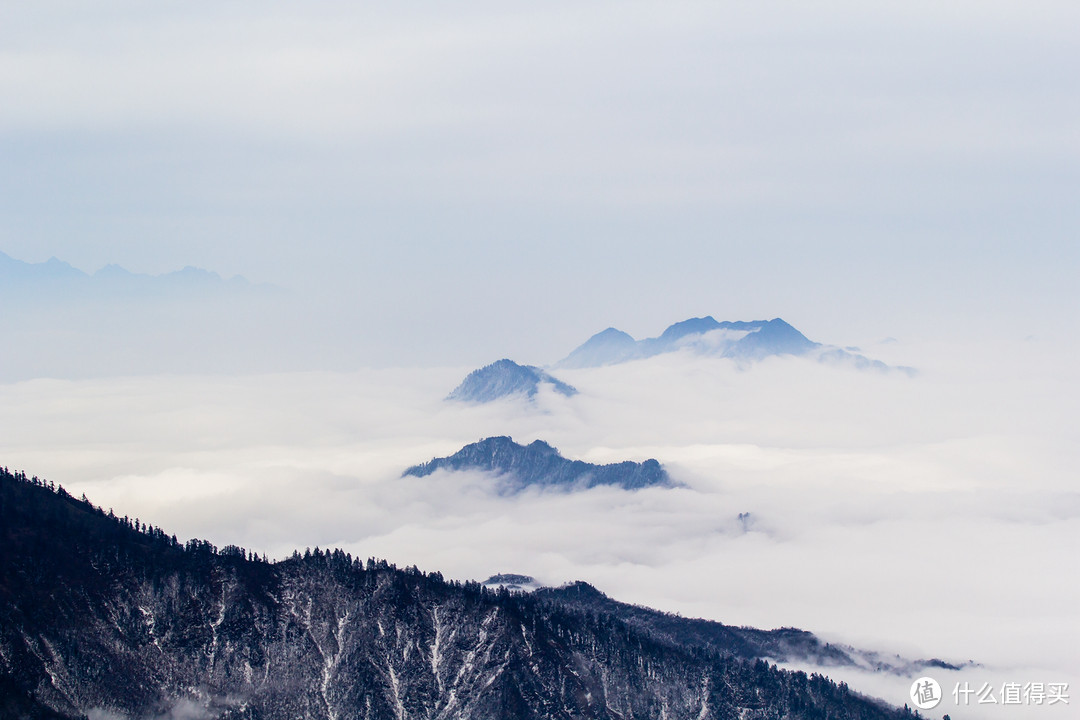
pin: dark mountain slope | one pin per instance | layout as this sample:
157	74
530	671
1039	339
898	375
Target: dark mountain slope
102	616
782	645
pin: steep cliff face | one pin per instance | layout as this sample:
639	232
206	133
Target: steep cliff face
103	618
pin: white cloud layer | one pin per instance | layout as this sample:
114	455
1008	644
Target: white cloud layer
935	515
447	186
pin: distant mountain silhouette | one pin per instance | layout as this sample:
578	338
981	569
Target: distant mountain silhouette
604	348
540	465
774	337
693	326
741	340
748	340
12	270
56	276
511	581
503	378
115	322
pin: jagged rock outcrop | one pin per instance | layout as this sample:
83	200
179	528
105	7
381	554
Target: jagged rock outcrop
540	465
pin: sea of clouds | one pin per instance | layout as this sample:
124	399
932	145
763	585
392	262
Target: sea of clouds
931	516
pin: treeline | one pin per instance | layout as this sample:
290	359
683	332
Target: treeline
67	565
85	524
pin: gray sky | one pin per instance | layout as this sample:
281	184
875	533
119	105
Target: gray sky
505	179
443	187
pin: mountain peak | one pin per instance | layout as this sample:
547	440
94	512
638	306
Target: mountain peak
741	339
54	274
579	589
112	270
512	582
611	333
539	464
604	348
504	378
692	326
541	446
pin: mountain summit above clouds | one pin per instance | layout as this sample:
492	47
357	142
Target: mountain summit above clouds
753	339
505	378
540	465
739	340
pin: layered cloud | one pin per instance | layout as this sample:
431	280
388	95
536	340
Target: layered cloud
928	514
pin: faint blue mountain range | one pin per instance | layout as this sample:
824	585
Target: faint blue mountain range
58	279
504	378
59	321
540	465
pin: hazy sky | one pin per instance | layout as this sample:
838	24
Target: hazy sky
505	179
442	187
